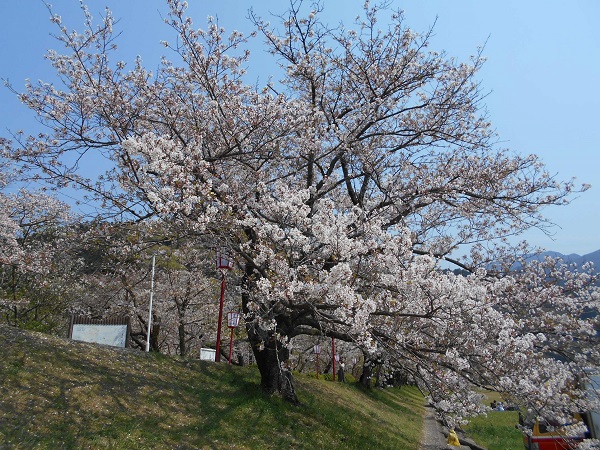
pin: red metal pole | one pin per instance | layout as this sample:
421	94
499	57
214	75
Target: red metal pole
231	344
333	355
218	352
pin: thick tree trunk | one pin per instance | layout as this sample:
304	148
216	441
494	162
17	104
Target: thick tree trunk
380	383
154	334
370	363
272	357
341	374
367	374
240	358
272	361
182	343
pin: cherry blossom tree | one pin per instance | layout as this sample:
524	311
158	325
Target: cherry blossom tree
187	292
116	274
33	229
340	188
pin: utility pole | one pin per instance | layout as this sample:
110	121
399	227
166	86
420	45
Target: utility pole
150	309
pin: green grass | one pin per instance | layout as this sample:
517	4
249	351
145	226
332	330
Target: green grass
496	431
57	393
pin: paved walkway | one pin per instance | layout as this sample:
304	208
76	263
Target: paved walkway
432	437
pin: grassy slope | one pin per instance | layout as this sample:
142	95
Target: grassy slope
496	431
56	393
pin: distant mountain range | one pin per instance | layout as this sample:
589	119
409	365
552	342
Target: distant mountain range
593	257
572	258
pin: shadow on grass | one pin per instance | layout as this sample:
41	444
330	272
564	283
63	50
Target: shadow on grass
56	393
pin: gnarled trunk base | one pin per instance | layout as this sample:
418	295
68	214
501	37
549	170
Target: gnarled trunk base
272	359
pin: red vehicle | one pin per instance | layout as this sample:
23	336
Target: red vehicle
557	439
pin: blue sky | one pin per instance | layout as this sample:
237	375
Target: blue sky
542	73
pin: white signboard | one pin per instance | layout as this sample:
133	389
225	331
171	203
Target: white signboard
207	354
114	335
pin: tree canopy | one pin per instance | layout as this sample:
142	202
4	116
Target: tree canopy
340	188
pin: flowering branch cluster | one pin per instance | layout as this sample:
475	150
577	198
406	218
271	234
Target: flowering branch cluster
340	188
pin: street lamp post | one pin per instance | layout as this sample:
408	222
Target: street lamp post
317	349
233	319
223	263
